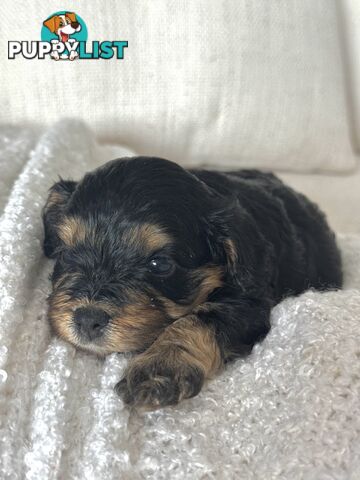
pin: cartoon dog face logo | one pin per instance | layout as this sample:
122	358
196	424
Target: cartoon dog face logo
63	26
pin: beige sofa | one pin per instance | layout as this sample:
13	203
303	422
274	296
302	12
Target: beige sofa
268	84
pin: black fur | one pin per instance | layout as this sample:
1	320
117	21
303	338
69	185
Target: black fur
280	243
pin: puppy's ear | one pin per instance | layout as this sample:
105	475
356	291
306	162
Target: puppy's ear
234	243
71	15
52	23
53	211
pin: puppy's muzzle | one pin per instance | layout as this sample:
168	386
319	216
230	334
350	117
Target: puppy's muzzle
90	322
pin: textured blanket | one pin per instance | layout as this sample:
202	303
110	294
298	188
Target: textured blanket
291	410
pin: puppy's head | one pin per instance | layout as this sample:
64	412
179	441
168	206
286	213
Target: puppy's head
63	25
136	247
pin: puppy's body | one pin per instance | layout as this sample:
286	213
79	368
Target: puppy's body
180	266
288	231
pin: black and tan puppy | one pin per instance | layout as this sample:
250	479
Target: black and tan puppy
181	267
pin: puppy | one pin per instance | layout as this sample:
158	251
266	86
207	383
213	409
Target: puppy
179	266
63	26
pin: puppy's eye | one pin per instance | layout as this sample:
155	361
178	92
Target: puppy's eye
161	265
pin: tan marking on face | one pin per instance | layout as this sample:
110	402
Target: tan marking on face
211	278
137	326
72	230
147	237
133	327
60	313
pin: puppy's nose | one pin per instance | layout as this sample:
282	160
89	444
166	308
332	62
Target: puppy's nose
91	322
75	24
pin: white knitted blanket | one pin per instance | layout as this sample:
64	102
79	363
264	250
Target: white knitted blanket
291	410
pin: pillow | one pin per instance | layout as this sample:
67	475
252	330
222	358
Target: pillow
229	84
350	23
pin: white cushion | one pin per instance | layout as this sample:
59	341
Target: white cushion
338	196
350	21
228	83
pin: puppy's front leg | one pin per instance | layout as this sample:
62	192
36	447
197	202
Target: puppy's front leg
193	349
174	367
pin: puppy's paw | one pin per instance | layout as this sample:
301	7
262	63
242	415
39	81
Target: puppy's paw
152	383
